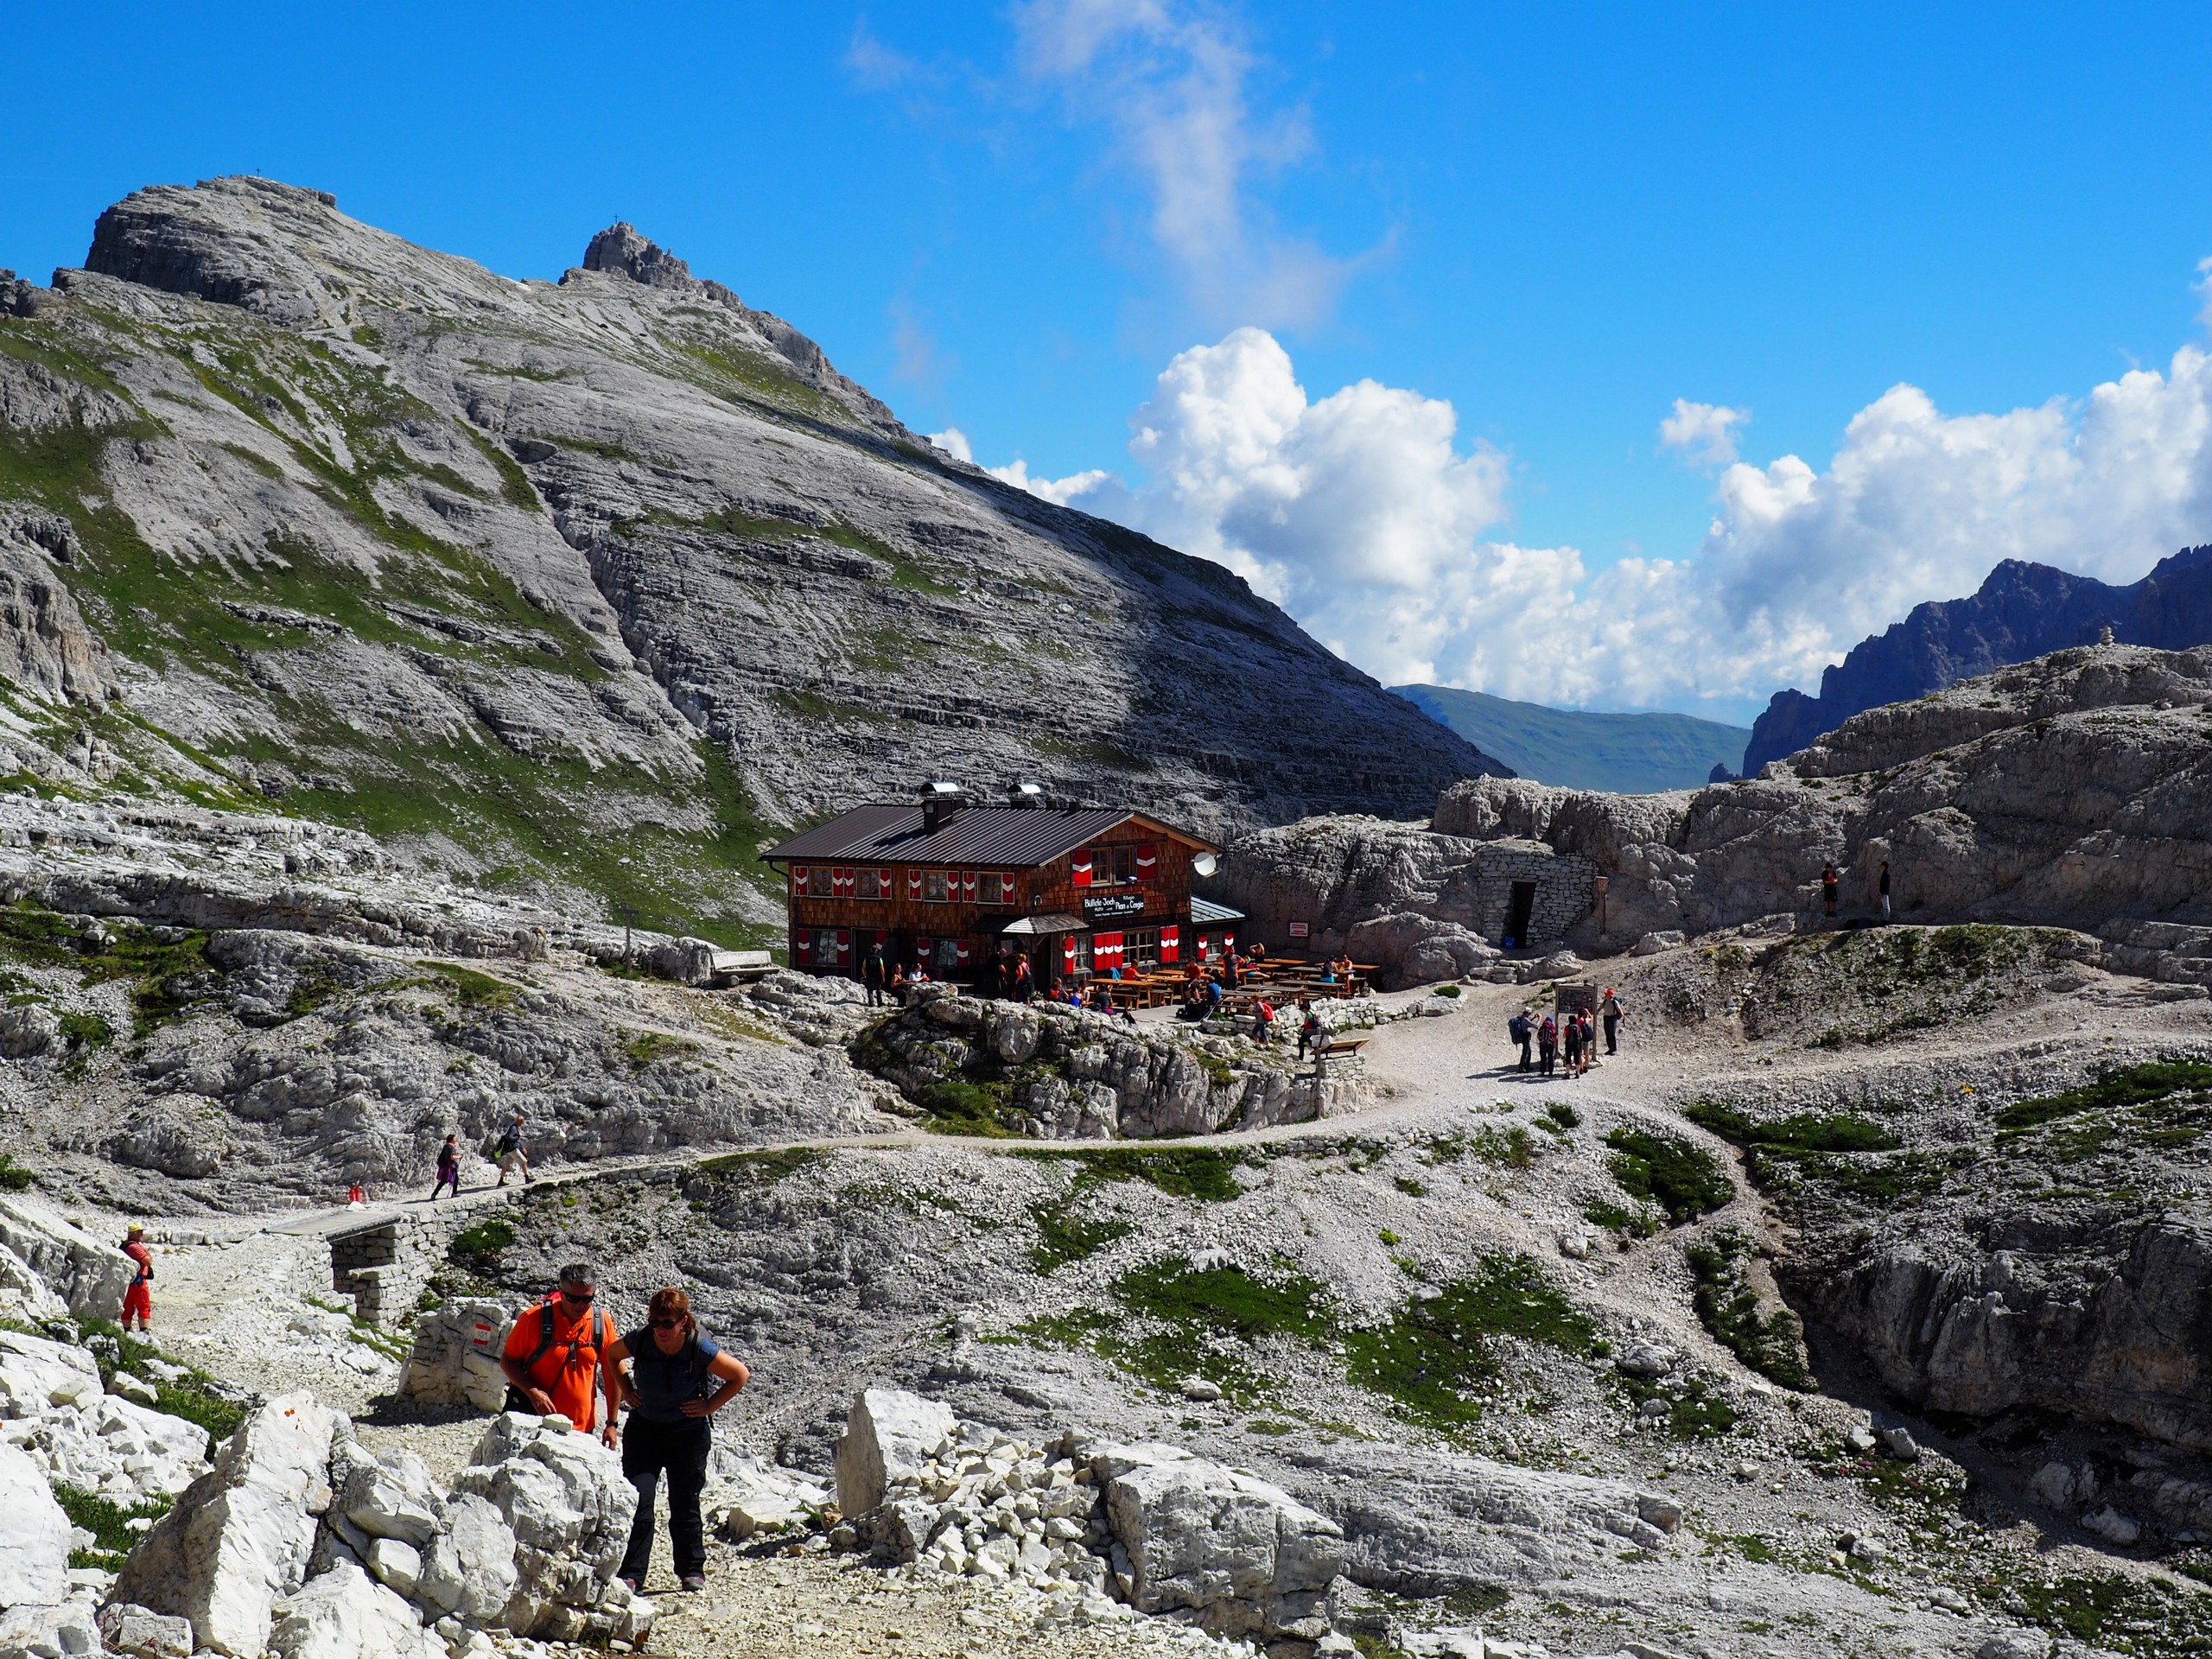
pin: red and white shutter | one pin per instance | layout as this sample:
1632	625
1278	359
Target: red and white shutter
844	947
1171	944
798	880
883	887
1079	870
801	946
960	952
841	883
1006	886
1067	955
1106	951
1148	862
921	951
913	883
968	885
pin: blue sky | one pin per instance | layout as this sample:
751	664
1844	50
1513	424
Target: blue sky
1557	220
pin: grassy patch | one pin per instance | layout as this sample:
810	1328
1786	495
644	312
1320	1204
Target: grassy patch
14	1178
1667	1171
1203	1173
168	967
1510	1149
478	1249
1436	1352
193	1396
2121	1086
474	989
1802	1131
762	1168
1694	1411
647	1048
1562	1116
1062	1237
1619	1218
953	1106
1771	1343
109	1523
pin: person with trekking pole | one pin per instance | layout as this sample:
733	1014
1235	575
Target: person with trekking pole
679	1378
556	1358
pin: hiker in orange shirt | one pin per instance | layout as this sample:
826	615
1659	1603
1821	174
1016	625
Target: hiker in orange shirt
556	1356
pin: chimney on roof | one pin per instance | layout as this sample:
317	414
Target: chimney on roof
1026	795
940	801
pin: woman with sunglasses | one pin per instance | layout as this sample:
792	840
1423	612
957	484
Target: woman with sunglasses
678	1379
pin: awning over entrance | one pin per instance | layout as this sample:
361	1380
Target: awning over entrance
1206	913
1051	922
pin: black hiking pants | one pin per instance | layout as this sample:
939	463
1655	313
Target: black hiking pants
1525	1061
681	1449
1612	1029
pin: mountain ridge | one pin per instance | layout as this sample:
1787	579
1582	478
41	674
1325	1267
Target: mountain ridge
581	588
1574	749
2021	611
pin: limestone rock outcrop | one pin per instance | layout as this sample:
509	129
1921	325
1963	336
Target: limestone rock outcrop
647	537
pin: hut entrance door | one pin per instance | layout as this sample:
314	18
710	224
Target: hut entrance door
1519	908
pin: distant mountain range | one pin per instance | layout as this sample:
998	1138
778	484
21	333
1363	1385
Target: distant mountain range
1629	754
2022	611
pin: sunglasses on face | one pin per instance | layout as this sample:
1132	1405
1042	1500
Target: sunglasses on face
667	1324
576	1295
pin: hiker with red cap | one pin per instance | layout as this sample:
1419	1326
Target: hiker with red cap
1610	1010
138	1301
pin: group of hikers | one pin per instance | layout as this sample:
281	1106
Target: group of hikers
563	1357
1568	1042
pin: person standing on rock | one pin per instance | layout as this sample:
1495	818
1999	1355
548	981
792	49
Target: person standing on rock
448	1168
513	1154
875	974
1829	882
1885	885
1610	1010
1548	1045
556	1358
138	1300
679	1378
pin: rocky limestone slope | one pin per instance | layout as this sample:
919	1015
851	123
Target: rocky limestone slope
2073	791
577	586
2021	611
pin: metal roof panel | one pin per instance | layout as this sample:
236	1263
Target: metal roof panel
1015	837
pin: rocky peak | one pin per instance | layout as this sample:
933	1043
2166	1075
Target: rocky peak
621	248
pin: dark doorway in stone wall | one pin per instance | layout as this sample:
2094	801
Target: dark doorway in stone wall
1517	910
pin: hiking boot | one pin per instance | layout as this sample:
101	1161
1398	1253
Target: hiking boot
692	1583
637	1585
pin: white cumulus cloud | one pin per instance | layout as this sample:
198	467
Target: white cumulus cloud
1705	434
1363	514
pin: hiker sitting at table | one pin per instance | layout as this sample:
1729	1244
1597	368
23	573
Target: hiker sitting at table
1258	953
1329	973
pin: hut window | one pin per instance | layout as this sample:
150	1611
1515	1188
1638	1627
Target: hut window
933	886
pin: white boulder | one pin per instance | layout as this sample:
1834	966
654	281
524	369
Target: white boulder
117	1448
34	1536
240	1537
889	1435
469	1569
564	1498
143	1634
344	1614
456	1357
87	1275
1239	1555
36	1375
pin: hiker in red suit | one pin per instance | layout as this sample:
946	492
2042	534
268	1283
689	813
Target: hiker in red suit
138	1301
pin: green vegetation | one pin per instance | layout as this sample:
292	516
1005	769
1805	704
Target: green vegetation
1916	978
1509	1148
2143	1084
1562	1116
168	967
478	1249
476	990
1435	1353
762	1168
1667	1171
14	1178
1694	1411
109	1523
955	1107
647	1048
1770	1344
1618	1218
192	1395
1804	1131
1202	1173
1445	990
360	1330
1062	1238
